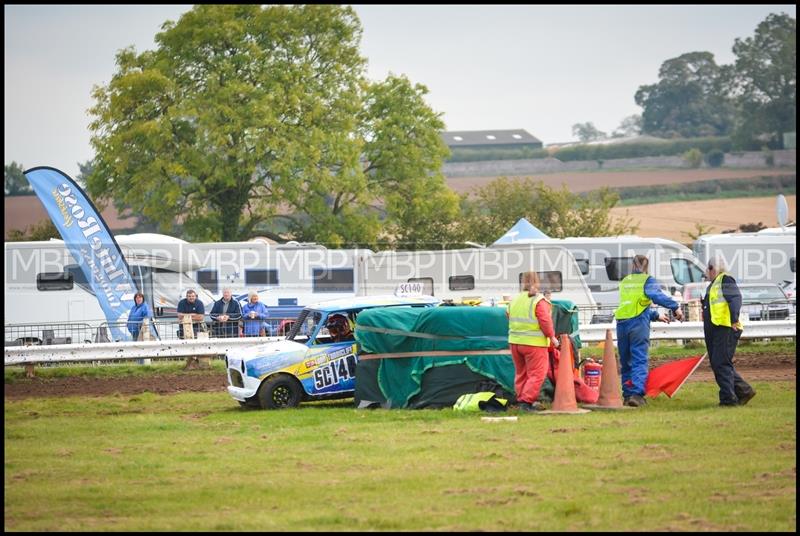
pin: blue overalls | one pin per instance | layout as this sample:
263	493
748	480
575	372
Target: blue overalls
633	339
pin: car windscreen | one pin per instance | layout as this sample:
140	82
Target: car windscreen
305	325
761	294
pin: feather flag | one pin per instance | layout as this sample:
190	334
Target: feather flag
90	243
668	378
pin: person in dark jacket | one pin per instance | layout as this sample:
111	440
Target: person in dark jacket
634	314
139	312
722	304
225	315
191	307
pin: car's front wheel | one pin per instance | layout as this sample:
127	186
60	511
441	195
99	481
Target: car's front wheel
279	392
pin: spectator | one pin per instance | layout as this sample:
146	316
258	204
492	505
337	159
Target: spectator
254	313
139	312
192	307
225	315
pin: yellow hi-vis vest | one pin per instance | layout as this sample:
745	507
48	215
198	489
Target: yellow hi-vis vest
632	299
474	401
717	304
523	326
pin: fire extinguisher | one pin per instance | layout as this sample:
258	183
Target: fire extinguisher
592	373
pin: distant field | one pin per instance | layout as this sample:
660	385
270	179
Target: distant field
584	181
671	220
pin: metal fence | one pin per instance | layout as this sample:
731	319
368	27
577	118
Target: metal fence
81	333
692	311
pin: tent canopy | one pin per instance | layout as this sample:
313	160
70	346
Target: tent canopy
521	231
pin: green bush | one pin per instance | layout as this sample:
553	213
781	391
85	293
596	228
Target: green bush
693	158
637	150
715	158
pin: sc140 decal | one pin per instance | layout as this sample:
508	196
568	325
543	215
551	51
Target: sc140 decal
335	372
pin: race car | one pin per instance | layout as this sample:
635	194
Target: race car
316	361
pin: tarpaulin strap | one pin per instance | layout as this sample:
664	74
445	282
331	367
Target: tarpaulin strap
434	353
420	335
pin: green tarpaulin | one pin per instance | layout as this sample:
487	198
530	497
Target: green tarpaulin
439	329
402	382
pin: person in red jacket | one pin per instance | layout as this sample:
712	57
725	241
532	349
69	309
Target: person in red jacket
530	334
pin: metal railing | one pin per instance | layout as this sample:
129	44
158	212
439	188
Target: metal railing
64	353
167	329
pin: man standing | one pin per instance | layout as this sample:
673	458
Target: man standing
225	315
722	304
192	307
634	314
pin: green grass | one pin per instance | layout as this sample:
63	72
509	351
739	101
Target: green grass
197	461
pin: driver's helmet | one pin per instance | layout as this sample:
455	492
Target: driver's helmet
338	325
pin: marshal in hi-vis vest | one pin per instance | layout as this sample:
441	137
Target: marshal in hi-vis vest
717	304
632	299
523	326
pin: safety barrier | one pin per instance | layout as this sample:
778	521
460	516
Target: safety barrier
24	355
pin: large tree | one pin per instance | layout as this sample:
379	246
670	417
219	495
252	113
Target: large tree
689	99
765	82
250	119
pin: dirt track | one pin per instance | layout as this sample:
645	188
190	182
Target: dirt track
753	367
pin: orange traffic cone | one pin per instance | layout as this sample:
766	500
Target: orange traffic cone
610	385
564	400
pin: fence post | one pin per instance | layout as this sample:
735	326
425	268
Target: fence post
144	335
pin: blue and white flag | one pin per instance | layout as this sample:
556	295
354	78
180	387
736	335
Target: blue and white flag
90	242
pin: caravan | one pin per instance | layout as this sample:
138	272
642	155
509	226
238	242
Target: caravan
605	261
483	276
44	284
767	256
284	275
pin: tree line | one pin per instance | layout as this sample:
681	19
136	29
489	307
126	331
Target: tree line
253	120
753	100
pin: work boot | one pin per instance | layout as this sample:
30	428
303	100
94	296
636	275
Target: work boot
745	398
635	401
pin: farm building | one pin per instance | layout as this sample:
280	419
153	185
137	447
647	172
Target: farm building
491	139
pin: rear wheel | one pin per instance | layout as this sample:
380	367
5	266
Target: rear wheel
279	392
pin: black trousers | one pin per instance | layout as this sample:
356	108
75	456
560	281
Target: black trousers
721	344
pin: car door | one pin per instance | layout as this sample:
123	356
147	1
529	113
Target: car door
329	367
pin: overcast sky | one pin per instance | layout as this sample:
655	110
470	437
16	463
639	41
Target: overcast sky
540	68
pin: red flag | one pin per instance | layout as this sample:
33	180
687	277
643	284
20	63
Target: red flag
669	377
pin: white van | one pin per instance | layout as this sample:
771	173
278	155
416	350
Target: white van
768	256
604	261
477	275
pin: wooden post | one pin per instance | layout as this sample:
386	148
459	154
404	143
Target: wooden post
29	371
188	333
144	335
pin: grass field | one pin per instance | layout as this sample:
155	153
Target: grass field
196	461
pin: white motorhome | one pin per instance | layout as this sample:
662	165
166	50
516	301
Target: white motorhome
45	284
767	256
284	275
605	261
485	275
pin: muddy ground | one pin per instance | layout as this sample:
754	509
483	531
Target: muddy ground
753	367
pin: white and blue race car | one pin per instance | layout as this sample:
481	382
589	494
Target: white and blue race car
308	364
